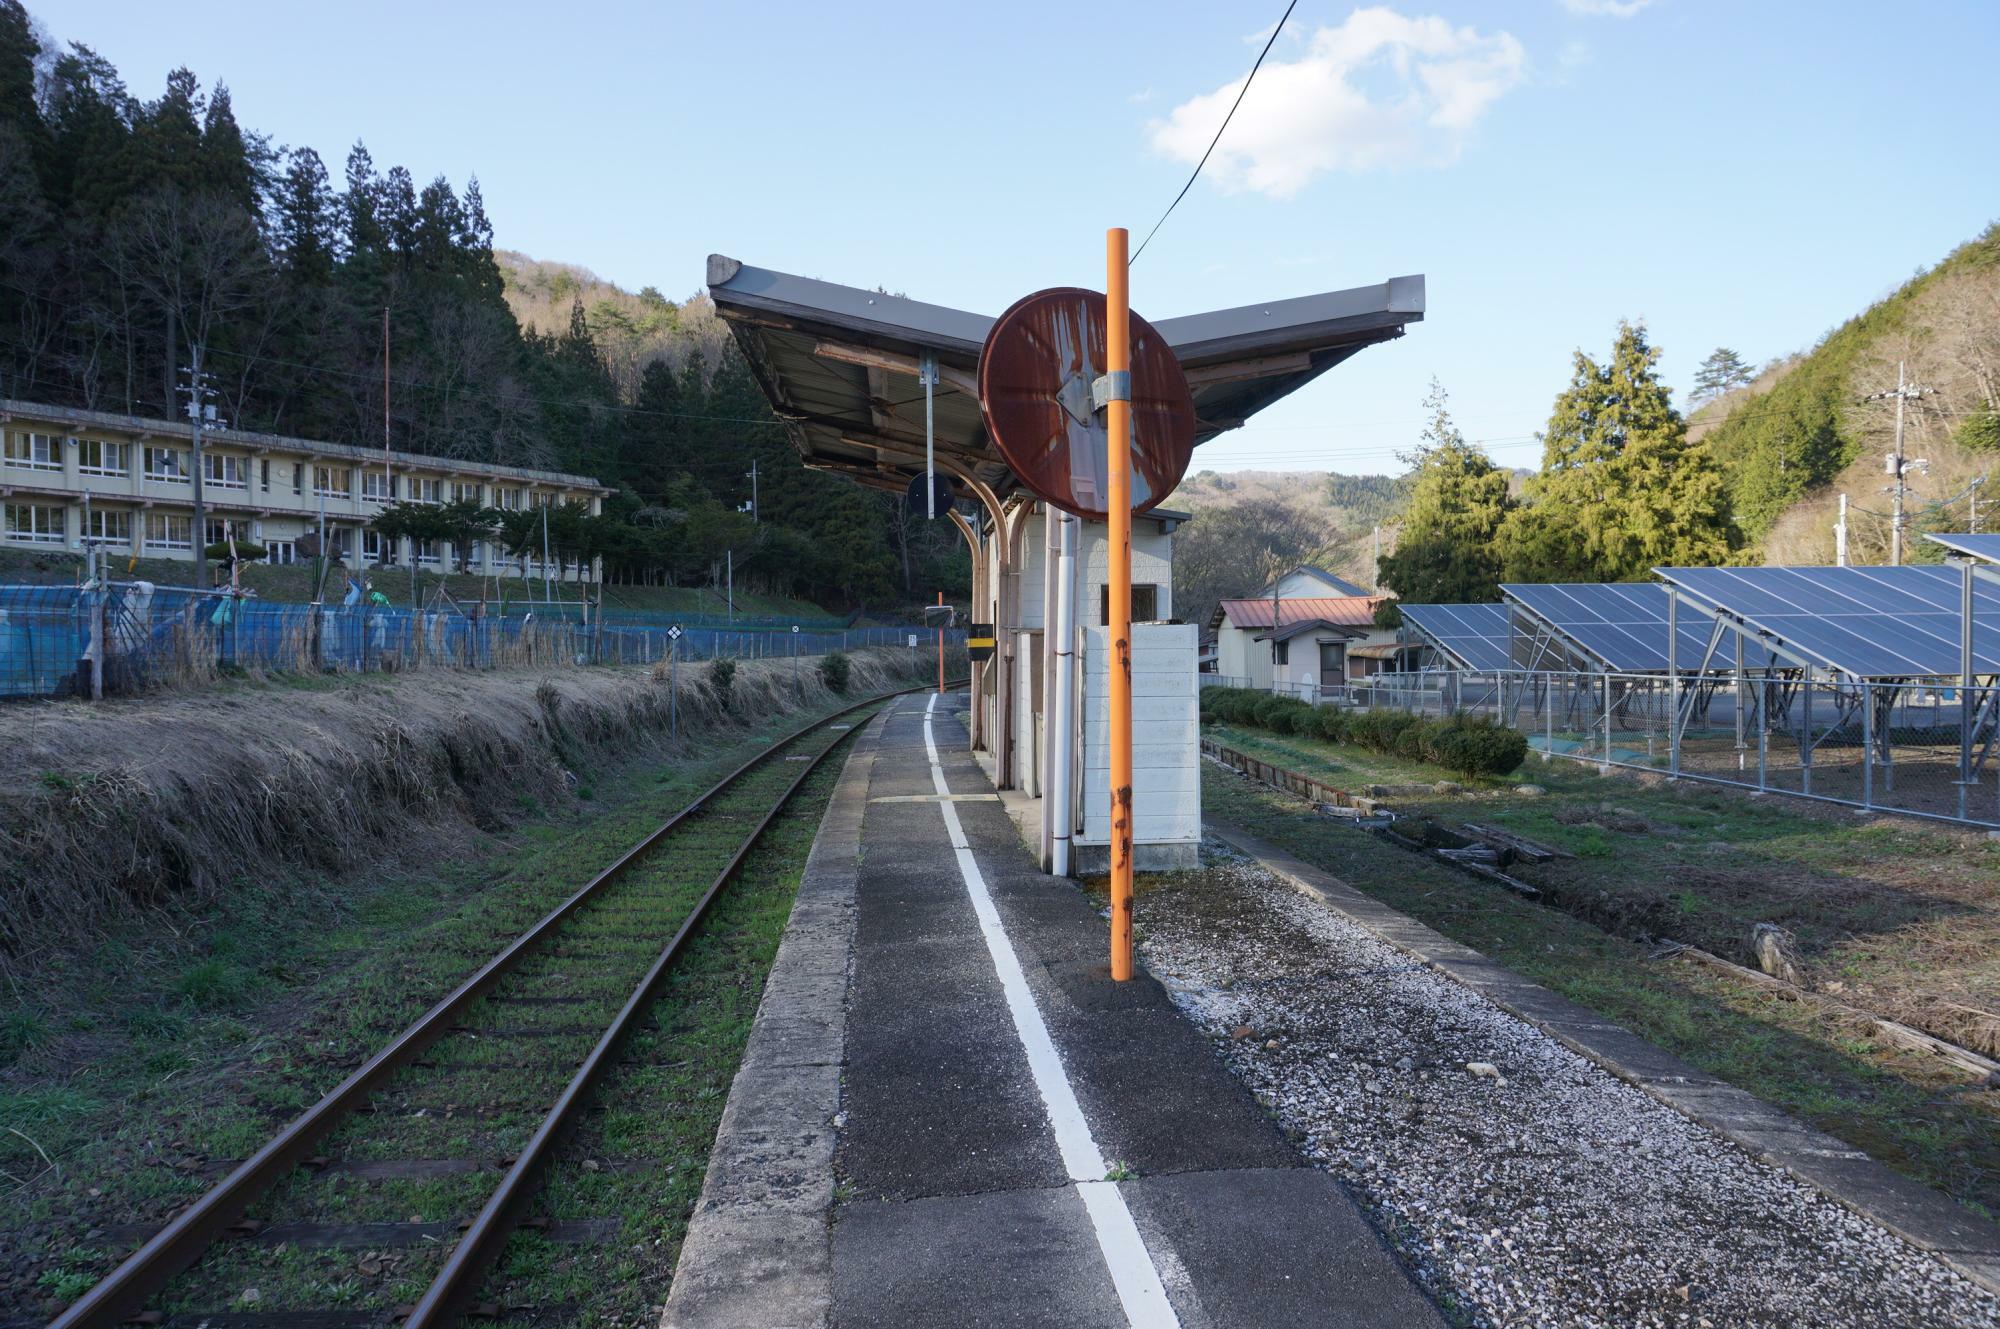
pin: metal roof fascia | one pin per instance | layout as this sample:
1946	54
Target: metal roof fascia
1219	333
1360	309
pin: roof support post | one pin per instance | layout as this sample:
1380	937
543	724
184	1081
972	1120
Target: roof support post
1966	711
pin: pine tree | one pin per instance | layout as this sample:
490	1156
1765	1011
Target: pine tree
1447	552
1621	490
1723	371
306	219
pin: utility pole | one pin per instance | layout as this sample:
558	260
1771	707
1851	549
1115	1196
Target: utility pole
197	409
388	477
1840	535
1898	467
730	556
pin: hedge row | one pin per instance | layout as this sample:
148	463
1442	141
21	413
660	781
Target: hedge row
1466	744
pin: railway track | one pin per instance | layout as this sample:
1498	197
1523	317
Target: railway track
469	1106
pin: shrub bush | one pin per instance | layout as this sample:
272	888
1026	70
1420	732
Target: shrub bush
1464	744
1476	746
721	678
1330	723
833	670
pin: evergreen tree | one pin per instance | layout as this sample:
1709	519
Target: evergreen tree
1621	490
1723	371
306	219
1447	553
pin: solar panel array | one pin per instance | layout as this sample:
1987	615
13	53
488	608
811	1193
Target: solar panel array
1622	624
1985	547
1864	622
1474	636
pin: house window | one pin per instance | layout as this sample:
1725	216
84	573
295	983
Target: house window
166	464
281	551
169	530
376	487
372	547
465	491
508	499
96	457
1284	652
332	481
427	552
298	472
34	452
109	526
35	523
225	472
426	491
264	477
1145	604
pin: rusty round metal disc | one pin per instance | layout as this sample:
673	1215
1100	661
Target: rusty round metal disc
1035	375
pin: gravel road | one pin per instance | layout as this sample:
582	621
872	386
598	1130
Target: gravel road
1545	1192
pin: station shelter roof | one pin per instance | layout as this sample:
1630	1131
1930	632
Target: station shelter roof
840	364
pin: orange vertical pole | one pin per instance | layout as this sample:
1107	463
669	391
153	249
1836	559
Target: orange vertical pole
1118	449
940	645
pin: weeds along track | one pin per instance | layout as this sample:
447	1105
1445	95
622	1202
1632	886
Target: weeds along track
465	1111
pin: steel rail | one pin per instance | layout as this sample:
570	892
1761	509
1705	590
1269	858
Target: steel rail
451	1292
121	1294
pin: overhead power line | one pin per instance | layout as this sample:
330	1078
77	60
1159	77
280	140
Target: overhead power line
1218	134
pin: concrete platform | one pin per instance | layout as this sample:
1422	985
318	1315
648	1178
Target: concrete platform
990	1131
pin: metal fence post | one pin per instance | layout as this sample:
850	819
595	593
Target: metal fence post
1607	721
1867	746
1548	718
1806	737
1763	734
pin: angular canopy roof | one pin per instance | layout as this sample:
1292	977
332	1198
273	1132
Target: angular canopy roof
1985	546
839	364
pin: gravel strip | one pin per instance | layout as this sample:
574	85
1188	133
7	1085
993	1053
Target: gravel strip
1541	1192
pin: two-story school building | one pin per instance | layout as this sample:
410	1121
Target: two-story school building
125	485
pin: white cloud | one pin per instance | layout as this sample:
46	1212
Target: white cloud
1381	90
1575	55
1605	8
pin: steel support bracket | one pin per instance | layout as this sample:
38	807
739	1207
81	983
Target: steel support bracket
1114	386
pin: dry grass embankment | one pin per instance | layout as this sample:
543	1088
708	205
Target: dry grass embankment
163	802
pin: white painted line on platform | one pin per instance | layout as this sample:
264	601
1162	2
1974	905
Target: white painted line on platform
1133	1273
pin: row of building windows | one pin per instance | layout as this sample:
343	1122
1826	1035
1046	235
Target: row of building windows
39	523
98	457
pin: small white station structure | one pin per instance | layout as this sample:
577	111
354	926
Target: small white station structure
871	385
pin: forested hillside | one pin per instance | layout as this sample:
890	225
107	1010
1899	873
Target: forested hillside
139	237
1805	431
1248	524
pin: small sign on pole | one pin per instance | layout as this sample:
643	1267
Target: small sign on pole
979	641
674	680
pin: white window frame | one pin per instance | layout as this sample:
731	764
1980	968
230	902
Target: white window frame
377	487
425	551
323	477
102	518
509	498
22	446
168	520
223	471
372	545
44	524
284	553
174	472
106	450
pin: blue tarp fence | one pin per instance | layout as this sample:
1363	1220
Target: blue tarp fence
52	638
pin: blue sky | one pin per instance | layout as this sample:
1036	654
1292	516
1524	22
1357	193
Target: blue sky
1736	174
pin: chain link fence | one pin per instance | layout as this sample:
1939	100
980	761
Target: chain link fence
117	638
1921	749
